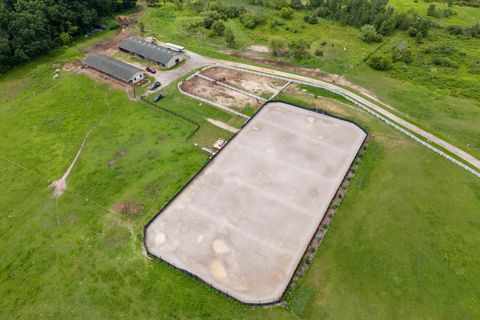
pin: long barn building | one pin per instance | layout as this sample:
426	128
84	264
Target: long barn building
114	68
155	53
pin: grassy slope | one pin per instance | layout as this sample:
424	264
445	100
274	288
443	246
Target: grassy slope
417	93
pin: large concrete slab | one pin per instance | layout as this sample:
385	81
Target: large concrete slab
243	223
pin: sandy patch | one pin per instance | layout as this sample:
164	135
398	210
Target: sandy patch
222	125
259	48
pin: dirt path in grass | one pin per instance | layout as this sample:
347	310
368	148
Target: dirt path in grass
60	185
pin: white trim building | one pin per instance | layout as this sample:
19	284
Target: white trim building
155	53
114	68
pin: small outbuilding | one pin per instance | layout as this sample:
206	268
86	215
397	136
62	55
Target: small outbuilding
114	68
155	53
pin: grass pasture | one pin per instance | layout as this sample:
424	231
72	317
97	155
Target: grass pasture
404	242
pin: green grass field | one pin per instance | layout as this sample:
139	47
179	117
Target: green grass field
404	243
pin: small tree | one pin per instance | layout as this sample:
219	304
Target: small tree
277	46
299	48
229	37
286	13
312	19
401	52
141	26
218	28
319	53
369	34
431	10
65	38
296	4
380	62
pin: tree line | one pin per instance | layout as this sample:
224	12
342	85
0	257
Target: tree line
29	28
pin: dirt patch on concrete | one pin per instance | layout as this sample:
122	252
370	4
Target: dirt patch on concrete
214	92
258	85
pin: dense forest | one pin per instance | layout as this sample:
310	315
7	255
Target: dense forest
29	28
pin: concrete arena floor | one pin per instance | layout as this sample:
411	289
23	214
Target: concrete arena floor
243	224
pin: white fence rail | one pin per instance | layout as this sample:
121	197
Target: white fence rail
210	102
223	84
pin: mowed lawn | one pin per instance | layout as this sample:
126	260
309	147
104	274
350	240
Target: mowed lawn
404	243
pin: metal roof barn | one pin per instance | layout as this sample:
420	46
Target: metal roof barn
149	51
113	67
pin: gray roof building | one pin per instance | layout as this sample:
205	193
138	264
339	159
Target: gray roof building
115	68
150	51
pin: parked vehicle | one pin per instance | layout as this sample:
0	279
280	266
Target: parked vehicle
154	85
151	70
158	98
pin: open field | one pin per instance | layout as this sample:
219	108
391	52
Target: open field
228	226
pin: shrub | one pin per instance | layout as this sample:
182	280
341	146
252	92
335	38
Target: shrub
380	62
431	10
296	4
250	20
319	53
218	28
277	46
229	37
444	62
455	30
299	48
473	31
310	19
401	52
369	34
475	67
286	13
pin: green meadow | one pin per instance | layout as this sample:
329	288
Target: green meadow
404	242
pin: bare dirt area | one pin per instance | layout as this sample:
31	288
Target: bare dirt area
244	222
258	48
314	73
258	85
214	92
110	45
222	125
